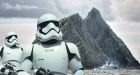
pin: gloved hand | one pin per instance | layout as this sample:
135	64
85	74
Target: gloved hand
41	71
10	66
8	69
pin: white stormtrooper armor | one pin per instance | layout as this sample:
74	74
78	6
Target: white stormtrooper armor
50	52
11	39
48	28
11	53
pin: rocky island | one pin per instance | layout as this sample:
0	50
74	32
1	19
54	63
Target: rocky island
97	42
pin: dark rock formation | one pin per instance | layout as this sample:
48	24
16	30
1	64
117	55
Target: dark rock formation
97	43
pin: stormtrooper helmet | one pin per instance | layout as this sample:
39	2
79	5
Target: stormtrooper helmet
11	40
48	28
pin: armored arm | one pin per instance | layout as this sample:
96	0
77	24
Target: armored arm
74	59
27	58
1	54
26	65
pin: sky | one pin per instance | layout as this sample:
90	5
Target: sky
121	15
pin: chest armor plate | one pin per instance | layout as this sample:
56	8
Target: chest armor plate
12	55
53	58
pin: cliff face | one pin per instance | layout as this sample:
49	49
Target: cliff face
96	41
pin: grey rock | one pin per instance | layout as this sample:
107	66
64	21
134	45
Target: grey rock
96	41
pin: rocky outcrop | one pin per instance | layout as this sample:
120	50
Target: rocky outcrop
96	41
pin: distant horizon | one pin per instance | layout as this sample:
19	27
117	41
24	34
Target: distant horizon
28	36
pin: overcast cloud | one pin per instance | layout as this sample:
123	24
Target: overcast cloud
127	9
110	9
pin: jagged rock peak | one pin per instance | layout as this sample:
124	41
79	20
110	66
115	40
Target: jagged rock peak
73	17
76	15
94	12
96	41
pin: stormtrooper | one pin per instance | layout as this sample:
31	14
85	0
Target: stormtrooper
50	55
11	54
